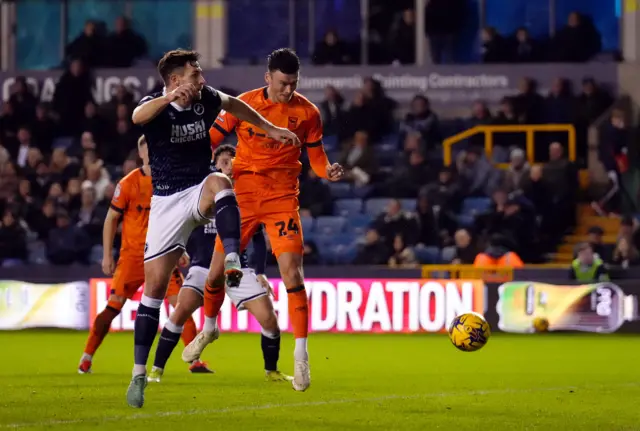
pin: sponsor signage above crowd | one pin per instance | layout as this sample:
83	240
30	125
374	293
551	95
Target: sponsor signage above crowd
446	86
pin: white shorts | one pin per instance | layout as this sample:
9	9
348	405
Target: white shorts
248	290
171	220
196	278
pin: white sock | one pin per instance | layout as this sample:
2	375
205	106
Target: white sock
300	352
210	324
86	357
173	327
147	301
139	370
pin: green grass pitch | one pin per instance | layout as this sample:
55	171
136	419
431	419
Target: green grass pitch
359	382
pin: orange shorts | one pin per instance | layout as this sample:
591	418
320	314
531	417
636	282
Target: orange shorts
276	208
129	276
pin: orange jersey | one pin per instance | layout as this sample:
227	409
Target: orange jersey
132	199
256	153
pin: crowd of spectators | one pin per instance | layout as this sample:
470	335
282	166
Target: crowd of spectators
59	163
392	38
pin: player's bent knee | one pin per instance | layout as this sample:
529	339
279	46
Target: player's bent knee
217	182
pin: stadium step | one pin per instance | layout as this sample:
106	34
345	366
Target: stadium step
586	219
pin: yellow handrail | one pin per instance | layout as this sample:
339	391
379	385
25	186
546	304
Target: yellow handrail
529	130
471	272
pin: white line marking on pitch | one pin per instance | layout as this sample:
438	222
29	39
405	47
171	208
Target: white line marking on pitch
248	408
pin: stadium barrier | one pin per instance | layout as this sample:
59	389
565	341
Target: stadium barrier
528	130
345	305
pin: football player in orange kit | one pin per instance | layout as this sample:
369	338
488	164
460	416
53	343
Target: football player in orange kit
265	174
131	202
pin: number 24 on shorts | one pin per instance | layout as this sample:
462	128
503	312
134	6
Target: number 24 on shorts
292	226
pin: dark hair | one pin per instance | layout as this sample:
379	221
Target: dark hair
174	60
285	60
226	148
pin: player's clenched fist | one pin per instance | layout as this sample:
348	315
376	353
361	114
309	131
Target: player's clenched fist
108	265
284	135
335	172
184	93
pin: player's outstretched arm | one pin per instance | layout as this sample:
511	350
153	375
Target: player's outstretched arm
150	107
243	112
108	235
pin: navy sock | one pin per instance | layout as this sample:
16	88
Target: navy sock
271	352
228	223
168	341
145	330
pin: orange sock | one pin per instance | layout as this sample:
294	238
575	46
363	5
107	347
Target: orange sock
189	331
298	311
100	329
213	298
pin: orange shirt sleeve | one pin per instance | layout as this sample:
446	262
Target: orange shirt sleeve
314	126
121	196
222	127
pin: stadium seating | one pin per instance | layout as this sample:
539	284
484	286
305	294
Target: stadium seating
330	225
474	206
340	190
428	255
347	207
376	206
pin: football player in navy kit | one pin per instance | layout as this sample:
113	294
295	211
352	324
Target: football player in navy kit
252	294
186	194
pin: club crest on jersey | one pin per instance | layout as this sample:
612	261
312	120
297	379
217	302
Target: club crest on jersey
198	109
188	132
116	192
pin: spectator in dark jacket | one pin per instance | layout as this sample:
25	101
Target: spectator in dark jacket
578	41
443	23
525	48
403	38
72	94
560	105
359	160
67	243
374	251
331	50
13	238
23	101
592	102
333	112
44	129
423	120
89	46
124	45
494	47
529	104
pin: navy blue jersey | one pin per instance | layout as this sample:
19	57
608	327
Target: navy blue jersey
202	243
179	145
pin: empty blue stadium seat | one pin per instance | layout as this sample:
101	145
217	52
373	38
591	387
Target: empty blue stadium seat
12	263
472	206
347	207
307	224
408	204
330	225
375	206
340	190
427	255
331	143
343	254
37	253
465	220
359	223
